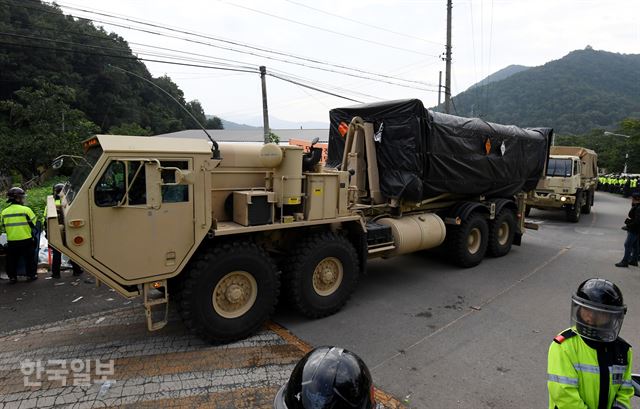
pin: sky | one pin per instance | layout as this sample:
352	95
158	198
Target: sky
399	39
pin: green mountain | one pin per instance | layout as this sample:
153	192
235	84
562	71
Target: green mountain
585	90
63	79
500	75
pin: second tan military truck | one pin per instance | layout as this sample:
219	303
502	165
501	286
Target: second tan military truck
226	229
570	182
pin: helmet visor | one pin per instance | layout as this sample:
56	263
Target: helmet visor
595	321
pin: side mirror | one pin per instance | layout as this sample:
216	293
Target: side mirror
153	184
57	164
635	380
314	141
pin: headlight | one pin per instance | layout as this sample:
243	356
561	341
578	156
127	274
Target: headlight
563	199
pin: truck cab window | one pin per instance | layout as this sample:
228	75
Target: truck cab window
119	178
174	193
111	187
137	183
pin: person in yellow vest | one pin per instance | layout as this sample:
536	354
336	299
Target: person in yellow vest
56	256
589	365
19	221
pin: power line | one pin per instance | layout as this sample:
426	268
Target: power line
369	26
124	57
327	30
176	63
313	88
236	43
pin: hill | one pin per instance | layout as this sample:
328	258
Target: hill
500	75
60	85
584	90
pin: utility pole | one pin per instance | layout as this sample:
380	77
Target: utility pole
265	111
447	85
439	88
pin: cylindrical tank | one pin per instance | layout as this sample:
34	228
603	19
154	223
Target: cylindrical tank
250	155
287	178
415	232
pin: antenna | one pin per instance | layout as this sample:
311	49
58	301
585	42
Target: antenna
215	151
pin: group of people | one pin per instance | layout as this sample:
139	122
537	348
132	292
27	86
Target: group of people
620	184
20	224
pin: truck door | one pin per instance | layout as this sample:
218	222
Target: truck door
133	237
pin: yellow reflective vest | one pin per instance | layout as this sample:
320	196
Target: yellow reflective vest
573	373
17	221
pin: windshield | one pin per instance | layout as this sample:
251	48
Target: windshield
81	170
559	167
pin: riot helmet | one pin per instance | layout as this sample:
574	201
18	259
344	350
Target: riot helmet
328	378
15	195
57	188
597	310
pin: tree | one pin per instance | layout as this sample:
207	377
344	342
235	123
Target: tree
38	125
214	123
130	129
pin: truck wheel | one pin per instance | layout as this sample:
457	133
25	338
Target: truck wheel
469	241
229	292
573	212
321	274
501	232
588	201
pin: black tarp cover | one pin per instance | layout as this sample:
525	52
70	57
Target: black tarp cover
422	153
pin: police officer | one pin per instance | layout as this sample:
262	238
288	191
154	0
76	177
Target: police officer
19	221
589	364
56	256
328	378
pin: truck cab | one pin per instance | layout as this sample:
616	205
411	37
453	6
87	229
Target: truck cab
569	183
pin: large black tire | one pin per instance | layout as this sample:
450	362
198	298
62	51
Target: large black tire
588	202
573	212
321	274
501	232
229	292
469	241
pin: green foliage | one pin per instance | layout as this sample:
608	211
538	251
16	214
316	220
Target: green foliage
130	129
274	138
214	123
585	90
611	149
38	125
51	97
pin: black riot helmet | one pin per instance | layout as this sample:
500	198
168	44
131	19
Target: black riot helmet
15	195
597	310
57	188
328	378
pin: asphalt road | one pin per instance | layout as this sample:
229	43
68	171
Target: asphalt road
438	336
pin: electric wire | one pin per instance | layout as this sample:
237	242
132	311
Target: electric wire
236	43
369	26
273	58
326	29
313	88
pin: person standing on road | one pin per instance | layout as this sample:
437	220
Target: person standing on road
589	365
56	256
632	226
19	221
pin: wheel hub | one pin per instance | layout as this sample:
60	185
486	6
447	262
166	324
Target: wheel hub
234	294
474	240
327	276
503	233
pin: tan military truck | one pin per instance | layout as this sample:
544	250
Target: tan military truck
570	182
219	229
